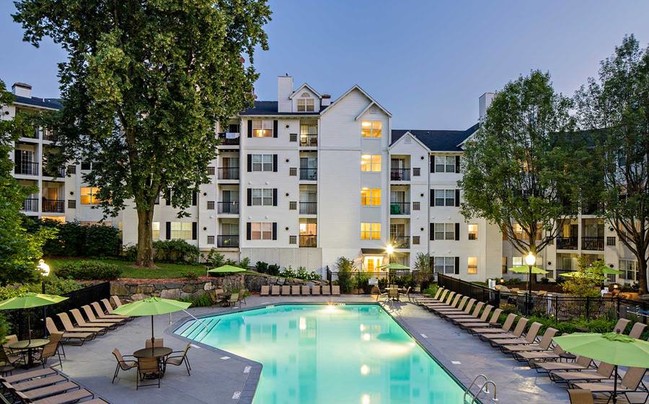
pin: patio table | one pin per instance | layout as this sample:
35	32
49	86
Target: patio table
28	346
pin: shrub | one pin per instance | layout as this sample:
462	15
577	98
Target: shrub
273	270
190	276
202	300
101	241
75	240
5	328
431	290
129	253
288	273
175	251
88	270
261	267
345	267
214	258
245	263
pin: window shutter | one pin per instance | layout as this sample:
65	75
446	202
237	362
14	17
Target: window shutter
249	192
432	164
457	164
457	231
457	197
457	265
194	230
275	128
432	231
194	198
274	230
168	197
432	197
249	128
274	163
274	196
248	231
168	230
249	158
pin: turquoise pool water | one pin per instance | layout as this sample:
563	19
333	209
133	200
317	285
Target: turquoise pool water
329	354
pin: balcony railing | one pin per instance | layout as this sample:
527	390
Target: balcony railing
26	168
54	205
400	174
228	207
229	139
399	208
309	174
308	140
30	205
308	208
58	172
308	240
400	241
227	240
228	173
592	243
566	243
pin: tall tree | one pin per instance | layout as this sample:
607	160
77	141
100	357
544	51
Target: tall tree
616	109
19	250
514	167
142	89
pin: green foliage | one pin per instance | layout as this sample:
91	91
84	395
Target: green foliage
175	251
202	300
345	269
74	240
265	268
55	285
5	328
88	270
191	276
288	272
431	291
587	280
423	273
13	290
245	263
129	253
214	258
574	325
514	168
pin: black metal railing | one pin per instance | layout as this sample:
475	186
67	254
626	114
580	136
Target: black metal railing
308	208
308	240
592	243
309	174
30	205
400	241
310	140
399	208
229	139
566	243
58	172
228	173
400	174
478	292
228	207
26	168
54	205
227	240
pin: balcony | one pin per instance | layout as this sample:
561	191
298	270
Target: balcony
400	174
49	134
26	168
30	205
228	207
592	243
309	140
399	208
308	174
227	241
54	205
57	172
228	173
308	208
566	243
229	139
308	240
400	241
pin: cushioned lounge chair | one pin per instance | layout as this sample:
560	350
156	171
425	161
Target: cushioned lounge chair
286	290
306	290
295	290
265	290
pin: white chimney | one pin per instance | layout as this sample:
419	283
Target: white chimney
326	100
483	104
284	90
22	90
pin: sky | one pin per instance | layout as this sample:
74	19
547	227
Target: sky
425	61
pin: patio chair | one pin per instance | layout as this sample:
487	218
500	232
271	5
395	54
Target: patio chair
177	358
510	336
286	290
507	325
620	326
10	339
274	290
100	313
124	362
233	300
265	290
306	290
82	322
335	290
578	396
67	324
87	310
543	345
636	331
148	369
242	296
580	363
602	372
295	290
50	350
631	382
8	362
326	290
68	336
157	343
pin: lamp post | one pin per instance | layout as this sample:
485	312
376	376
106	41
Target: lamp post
45	271
530	260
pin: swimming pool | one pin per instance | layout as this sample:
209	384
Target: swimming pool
328	353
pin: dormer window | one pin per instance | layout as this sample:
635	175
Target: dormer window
305	103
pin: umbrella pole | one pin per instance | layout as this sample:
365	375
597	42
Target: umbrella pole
152	338
29	327
615	387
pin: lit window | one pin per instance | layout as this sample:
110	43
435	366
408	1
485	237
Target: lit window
305	104
371	128
371	162
370	231
472	265
445	164
89	195
444	231
473	232
371	197
445	265
261	231
371	264
262	197
262	128
181	230
156	230
262	162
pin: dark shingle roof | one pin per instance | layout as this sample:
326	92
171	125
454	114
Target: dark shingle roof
437	140
270	108
53	103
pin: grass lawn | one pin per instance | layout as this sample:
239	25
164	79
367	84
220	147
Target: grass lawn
163	270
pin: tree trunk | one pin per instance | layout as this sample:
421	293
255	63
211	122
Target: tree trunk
642	275
144	237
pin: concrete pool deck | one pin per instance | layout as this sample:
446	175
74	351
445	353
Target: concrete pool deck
220	377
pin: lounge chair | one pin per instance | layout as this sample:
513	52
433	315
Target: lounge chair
637	330
483	318
38	382
265	290
177	358
632	381
107	306
114	299
464	316
528	339
91	316
509	336
533	358
124	362
82	322
543	345
466	311
439	297
38	393
295	290
473	325
451	300
507	325
51	349
326	290
335	290
457	307
105	313
32	374
578	396
68	336
67	324
620	326
603	372
148	369
580	363
306	290
286	290
274	290
234	299
69	397
315	290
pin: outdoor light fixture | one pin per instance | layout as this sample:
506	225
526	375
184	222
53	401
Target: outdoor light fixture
389	249
45	270
530	260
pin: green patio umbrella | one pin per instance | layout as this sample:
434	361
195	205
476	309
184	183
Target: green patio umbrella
611	271
226	269
524	269
395	266
616	349
151	306
28	301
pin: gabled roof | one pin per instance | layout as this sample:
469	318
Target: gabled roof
50	103
437	140
407	133
301	88
270	108
357	87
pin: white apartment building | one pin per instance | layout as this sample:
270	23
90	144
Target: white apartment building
304	180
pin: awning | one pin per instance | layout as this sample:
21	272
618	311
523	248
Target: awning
373	251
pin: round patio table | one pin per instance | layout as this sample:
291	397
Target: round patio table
29	346
159	353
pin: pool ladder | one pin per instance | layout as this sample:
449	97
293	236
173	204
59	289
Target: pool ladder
483	389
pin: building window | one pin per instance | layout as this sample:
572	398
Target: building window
156	230
415	240
610	241
89	195
416	205
445	197
305	104
473	231
292	239
371	263
261	197
261	231
72	169
371	196
72	204
371	128
371	162
445	265
292	205
181	230
416	171
210	205
86	165
210	239
292	172
370	231
629	269
472	266
292	137
262	128
446	164
211	170
262	162
444	231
